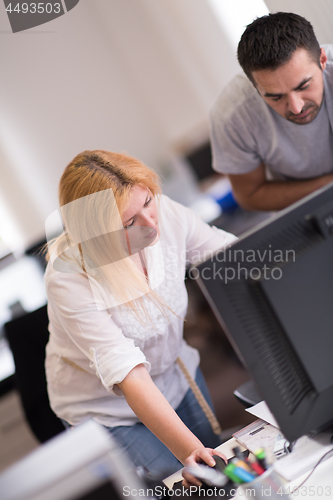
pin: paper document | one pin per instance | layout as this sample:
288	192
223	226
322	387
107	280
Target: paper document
307	451
259	434
262	411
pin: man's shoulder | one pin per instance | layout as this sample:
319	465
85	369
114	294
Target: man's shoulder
329	52
239	97
328	72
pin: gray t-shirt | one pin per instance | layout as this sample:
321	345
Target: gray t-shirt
245	132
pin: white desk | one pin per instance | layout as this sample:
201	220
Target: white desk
318	486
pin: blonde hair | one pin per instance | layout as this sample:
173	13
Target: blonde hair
100	182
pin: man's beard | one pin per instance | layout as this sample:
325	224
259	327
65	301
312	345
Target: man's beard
308	118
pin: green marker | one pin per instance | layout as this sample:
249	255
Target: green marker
229	471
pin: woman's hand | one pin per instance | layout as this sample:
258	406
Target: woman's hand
199	456
149	404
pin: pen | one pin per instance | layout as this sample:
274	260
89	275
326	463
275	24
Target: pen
237	452
261	457
229	471
243	474
245	462
257	468
242	464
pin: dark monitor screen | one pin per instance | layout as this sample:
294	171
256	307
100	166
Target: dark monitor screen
200	160
273	293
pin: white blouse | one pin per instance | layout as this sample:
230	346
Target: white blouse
93	347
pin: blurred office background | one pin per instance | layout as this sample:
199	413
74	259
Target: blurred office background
135	76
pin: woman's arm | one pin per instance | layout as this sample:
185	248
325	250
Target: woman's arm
149	404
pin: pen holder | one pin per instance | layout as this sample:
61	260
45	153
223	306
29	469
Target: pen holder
268	486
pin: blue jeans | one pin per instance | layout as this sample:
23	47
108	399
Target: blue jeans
145	449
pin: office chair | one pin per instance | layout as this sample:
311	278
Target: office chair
27	336
248	394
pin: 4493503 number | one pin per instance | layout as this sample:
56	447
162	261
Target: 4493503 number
34	8
304	491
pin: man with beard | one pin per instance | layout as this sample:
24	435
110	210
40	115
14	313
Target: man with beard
271	132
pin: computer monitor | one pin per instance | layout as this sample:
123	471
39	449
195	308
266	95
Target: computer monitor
272	292
200	160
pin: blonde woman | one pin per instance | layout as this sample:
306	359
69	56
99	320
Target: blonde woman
116	305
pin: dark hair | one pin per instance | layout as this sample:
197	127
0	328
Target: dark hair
270	41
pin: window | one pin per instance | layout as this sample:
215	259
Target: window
236	15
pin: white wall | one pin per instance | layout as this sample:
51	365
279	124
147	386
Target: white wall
122	75
125	75
318	12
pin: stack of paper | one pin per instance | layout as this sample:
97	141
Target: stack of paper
306	452
262	411
257	435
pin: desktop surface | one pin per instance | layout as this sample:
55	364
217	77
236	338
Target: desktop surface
318	485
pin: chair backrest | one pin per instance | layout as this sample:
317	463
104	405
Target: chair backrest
27	336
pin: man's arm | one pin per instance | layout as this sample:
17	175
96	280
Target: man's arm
253	192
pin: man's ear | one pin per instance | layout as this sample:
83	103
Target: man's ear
323	58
